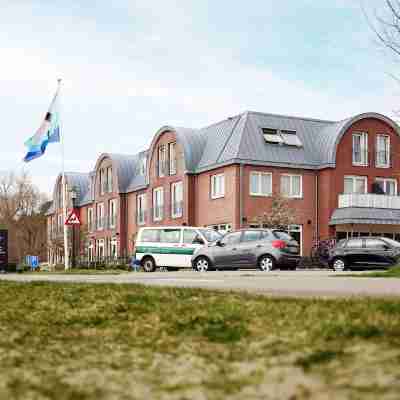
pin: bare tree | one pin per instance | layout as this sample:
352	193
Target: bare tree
280	215
23	214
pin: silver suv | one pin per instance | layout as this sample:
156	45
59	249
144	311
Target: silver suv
263	248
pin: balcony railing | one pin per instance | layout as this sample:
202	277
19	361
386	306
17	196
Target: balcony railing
369	200
177	209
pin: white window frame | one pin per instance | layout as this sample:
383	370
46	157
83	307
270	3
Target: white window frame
112	211
162	158
100	216
141	208
173	199
90	219
363	151
354	177
172	158
387	150
259	177
385	181
158	206
214	186
291	195
109	180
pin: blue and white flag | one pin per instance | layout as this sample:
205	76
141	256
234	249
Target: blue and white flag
48	132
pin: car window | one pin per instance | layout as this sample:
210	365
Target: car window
191	236
375	244
251	236
341	243
354	244
391	242
231	238
282	235
150	235
211	235
267	235
170	235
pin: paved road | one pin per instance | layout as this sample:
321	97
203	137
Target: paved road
278	283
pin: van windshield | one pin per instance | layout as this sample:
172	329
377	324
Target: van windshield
210	234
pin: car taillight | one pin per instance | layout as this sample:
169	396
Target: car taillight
278	244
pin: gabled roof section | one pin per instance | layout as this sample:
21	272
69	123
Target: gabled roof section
138	179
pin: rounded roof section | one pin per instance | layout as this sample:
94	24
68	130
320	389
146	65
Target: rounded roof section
79	181
191	141
333	134
123	168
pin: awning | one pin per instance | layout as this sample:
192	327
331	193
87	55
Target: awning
365	215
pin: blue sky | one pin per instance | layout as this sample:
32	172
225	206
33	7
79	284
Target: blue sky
130	67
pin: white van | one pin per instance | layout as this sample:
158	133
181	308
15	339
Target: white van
171	246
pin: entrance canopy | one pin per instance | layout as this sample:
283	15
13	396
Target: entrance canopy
365	215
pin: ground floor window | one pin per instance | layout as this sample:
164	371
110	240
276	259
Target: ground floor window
91	253
222	228
100	249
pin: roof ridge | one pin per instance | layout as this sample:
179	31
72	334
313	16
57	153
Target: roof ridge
293	117
220	122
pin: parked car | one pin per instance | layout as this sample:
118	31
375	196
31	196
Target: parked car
367	251
263	248
171	246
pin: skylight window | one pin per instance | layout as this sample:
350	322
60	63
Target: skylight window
286	137
272	135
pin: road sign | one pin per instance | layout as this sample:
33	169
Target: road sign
72	219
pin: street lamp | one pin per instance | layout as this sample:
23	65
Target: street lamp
74	195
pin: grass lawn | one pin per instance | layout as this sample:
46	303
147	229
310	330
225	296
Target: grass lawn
82	271
82	341
389	273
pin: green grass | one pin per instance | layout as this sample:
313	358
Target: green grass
393	272
81	271
82	341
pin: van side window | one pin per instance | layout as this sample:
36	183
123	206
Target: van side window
191	236
150	235
170	235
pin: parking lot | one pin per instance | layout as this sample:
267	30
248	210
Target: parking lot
300	283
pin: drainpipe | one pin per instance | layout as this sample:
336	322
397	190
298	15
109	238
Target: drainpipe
316	208
240	195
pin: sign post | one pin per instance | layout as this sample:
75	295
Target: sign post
3	249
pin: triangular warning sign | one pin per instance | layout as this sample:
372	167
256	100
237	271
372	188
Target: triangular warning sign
72	219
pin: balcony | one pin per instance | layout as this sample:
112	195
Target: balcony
369	200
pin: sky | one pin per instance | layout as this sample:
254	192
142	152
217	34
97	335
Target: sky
130	67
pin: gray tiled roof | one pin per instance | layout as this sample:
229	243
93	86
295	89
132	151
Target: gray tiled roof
365	215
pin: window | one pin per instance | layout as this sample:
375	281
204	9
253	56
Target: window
101	181
158	204
170	235
172	158
191	236
90	219
374	244
382	151
100	216
360	148
142	167
176	200
60	223
112	213
291	186
100	249
223	228
162	159
387	185
217	186
150	235
355	243
113	248
272	135
290	138
109	184
260	184
355	184
231	238
251	236
141	209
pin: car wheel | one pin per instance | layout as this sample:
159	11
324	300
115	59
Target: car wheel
149	264
202	264
339	264
266	263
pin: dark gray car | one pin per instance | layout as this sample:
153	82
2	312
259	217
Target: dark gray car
263	248
369	250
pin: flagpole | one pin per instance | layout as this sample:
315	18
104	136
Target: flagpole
64	191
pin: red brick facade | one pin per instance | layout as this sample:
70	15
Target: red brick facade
321	188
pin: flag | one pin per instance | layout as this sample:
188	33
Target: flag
48	132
